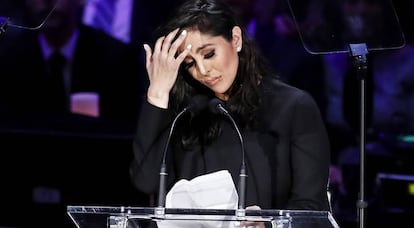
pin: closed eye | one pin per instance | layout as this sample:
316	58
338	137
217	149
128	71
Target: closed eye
188	65
209	55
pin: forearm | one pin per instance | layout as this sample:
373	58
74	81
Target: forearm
148	147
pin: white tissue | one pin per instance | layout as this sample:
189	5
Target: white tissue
210	191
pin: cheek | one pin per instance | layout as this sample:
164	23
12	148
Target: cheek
193	73
229	65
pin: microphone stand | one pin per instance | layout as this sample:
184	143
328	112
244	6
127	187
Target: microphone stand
359	52
216	106
197	103
160	210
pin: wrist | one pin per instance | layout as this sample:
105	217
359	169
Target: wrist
160	100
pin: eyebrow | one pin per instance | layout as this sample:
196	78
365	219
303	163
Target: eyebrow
202	47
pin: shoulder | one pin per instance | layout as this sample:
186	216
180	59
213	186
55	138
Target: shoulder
281	100
280	91
285	106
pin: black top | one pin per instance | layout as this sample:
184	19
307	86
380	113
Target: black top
287	160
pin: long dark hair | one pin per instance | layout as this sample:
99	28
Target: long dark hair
215	18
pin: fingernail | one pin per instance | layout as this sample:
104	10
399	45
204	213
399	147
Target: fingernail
184	32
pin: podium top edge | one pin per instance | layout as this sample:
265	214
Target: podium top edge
131	210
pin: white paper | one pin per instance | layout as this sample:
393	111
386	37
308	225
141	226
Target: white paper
210	191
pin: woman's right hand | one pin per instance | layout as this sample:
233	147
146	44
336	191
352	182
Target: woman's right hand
162	66
252	224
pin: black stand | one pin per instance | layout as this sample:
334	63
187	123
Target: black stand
358	53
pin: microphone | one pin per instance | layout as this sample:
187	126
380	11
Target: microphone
217	106
5	22
197	103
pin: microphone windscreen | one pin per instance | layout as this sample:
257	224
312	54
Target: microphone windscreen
214	106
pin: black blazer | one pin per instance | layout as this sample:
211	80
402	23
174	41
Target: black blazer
101	64
287	158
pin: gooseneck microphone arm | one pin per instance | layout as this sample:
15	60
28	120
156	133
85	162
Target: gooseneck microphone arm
216	106
163	169
197	103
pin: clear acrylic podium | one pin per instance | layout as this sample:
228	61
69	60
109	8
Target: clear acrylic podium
152	217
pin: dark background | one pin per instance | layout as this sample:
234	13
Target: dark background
87	162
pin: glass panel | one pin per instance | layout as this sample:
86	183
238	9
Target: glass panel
134	217
329	26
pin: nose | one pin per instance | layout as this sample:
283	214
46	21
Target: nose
202	68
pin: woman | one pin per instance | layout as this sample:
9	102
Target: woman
203	50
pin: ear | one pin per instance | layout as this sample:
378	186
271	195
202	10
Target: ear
237	39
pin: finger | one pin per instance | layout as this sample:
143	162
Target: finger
253	207
248	224
158	44
180	58
177	43
148	54
167	42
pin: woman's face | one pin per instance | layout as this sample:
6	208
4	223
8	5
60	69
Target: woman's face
213	61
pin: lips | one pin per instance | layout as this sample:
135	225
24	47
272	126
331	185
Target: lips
212	81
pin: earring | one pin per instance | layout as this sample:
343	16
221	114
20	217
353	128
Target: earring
238	49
